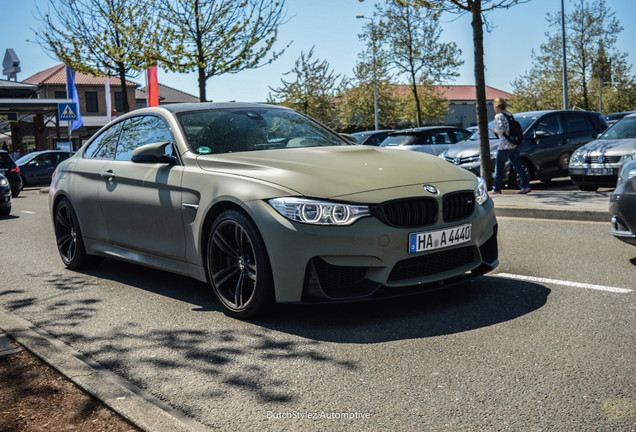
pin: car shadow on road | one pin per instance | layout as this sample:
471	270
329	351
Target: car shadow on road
476	304
479	303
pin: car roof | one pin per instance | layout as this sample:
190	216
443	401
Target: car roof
199	106
544	112
423	129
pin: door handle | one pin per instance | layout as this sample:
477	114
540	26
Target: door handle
108	175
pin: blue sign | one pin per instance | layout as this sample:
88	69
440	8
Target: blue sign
67	111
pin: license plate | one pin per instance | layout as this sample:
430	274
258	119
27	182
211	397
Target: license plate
426	241
600	171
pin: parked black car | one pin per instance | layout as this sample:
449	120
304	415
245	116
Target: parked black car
549	139
612	118
623	203
5	196
372	138
11	171
430	139
37	167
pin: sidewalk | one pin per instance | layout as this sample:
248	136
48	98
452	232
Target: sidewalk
555	204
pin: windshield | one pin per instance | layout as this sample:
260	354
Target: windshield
235	130
475	135
399	140
24	159
625	128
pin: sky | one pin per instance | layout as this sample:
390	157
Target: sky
331	27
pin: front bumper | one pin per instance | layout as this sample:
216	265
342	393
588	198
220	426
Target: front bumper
622	205
368	259
580	175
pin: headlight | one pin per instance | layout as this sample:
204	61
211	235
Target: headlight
577	158
3	182
627	172
443	154
481	193
318	212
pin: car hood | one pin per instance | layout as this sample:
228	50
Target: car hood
610	146
468	149
330	172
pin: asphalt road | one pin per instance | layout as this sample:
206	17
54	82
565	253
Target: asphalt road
503	353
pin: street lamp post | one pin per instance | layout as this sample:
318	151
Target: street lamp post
375	78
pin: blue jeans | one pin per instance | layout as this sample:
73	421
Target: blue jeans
514	155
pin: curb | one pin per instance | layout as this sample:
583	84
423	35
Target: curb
571	215
135	405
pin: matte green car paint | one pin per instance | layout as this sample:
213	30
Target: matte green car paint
360	175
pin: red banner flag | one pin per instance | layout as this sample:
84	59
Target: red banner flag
152	86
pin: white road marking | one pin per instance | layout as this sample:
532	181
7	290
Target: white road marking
27	212
565	283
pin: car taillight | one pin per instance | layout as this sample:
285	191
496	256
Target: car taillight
15	170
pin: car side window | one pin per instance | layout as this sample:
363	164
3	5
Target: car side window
551	125
103	147
460	135
139	131
577	122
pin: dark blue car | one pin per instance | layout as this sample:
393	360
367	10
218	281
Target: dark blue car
37	167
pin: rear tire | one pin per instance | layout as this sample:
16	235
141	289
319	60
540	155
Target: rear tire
70	243
238	266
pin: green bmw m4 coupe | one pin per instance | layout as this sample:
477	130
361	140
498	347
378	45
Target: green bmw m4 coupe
267	205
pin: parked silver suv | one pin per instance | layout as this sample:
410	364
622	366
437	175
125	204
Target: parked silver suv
598	162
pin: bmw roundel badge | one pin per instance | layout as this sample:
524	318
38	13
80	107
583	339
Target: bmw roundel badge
431	189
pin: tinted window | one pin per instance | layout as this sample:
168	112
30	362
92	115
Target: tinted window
139	131
577	122
119	102
550	124
6	161
442	137
59	94
103	147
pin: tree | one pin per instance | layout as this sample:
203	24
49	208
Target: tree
410	33
215	37
313	90
93	35
595	65
477	10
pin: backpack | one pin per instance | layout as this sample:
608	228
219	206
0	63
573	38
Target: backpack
515	135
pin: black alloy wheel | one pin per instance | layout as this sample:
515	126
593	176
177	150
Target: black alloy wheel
238	266
70	244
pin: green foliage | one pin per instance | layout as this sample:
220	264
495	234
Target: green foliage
93	35
408	36
595	66
215	37
313	90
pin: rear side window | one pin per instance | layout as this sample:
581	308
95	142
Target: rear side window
6	161
103	147
139	131
577	122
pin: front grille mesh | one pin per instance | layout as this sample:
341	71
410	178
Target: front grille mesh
608	159
458	205
408	213
430	264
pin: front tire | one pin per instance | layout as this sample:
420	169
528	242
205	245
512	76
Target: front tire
238	266
68	235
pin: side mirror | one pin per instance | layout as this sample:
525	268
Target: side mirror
153	153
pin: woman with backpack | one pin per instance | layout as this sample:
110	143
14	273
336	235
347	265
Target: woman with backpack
508	149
